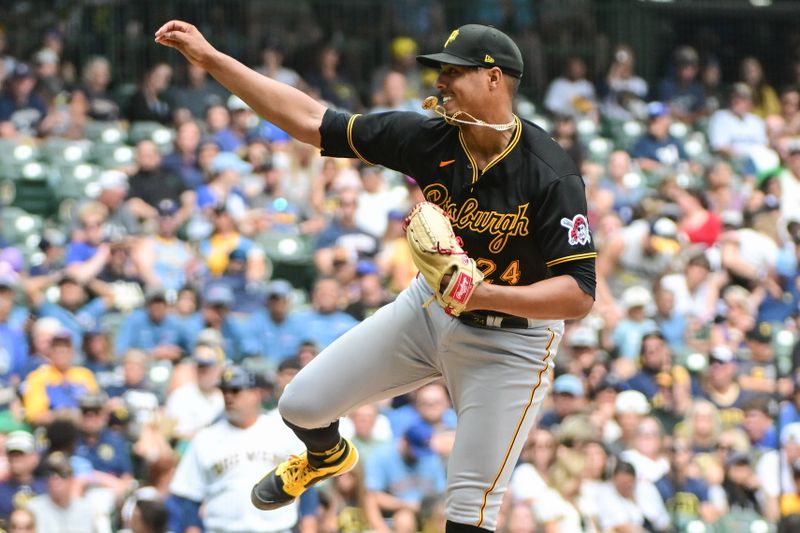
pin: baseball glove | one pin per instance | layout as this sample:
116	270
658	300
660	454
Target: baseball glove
437	253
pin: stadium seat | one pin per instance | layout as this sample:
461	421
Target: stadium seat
105	132
75	181
599	149
156	132
19	226
59	151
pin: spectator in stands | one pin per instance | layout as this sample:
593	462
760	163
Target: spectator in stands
198	93
343	232
658	150
626	193
120	222
60	510
271	66
73	309
93	95
151	102
572	94
183	161
20	106
23	482
215	314
630	408
628	333
152	329
13	344
370	295
375	200
163	260
765	99
681	90
199	402
223	188
326	81
569	397
393	95
325	321
151	184
647	453
21	521
226	238
58	386
400	475
789	180
276	331
759	373
627	504
685	496
105	449
625	91
735	131
702	426
100	357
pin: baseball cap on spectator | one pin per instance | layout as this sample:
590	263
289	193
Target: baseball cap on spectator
574	428
62	335
721	354
237	104
657	109
790	433
476	45
20	441
583	337
737	459
761	332
205	355
167	208
664	235
631	401
209	337
8	280
45	56
686	55
238	254
112	179
279	288
21	71
236	377
636	297
93	400
225	161
365	267
396	214
418	437
741	90
57	463
568	384
218	295
52	237
155	295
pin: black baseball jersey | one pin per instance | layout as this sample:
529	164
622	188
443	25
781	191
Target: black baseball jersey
523	219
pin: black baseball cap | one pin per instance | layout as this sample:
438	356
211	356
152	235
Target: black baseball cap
476	45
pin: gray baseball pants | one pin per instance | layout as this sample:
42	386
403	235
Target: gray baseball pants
497	379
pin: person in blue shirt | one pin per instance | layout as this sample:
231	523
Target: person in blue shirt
152	329
19	104
215	314
658	148
73	309
402	474
682	89
685	496
276	332
106	450
325	321
13	344
22	483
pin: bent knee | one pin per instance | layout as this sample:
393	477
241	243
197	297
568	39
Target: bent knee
304	409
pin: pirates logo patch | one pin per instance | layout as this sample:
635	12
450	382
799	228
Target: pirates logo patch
578	230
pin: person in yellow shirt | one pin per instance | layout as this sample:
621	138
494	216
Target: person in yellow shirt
58	386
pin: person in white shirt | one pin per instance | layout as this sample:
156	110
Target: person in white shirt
226	459
735	131
572	94
197	404
628	504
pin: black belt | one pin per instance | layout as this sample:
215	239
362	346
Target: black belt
487	320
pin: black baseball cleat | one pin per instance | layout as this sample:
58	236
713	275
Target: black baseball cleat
282	485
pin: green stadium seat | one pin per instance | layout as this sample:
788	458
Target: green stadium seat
598	149
20	226
105	132
60	151
76	181
158	133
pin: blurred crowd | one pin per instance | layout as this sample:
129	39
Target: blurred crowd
183	235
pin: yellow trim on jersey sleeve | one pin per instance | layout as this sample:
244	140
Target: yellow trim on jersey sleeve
568	258
350	139
503	465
